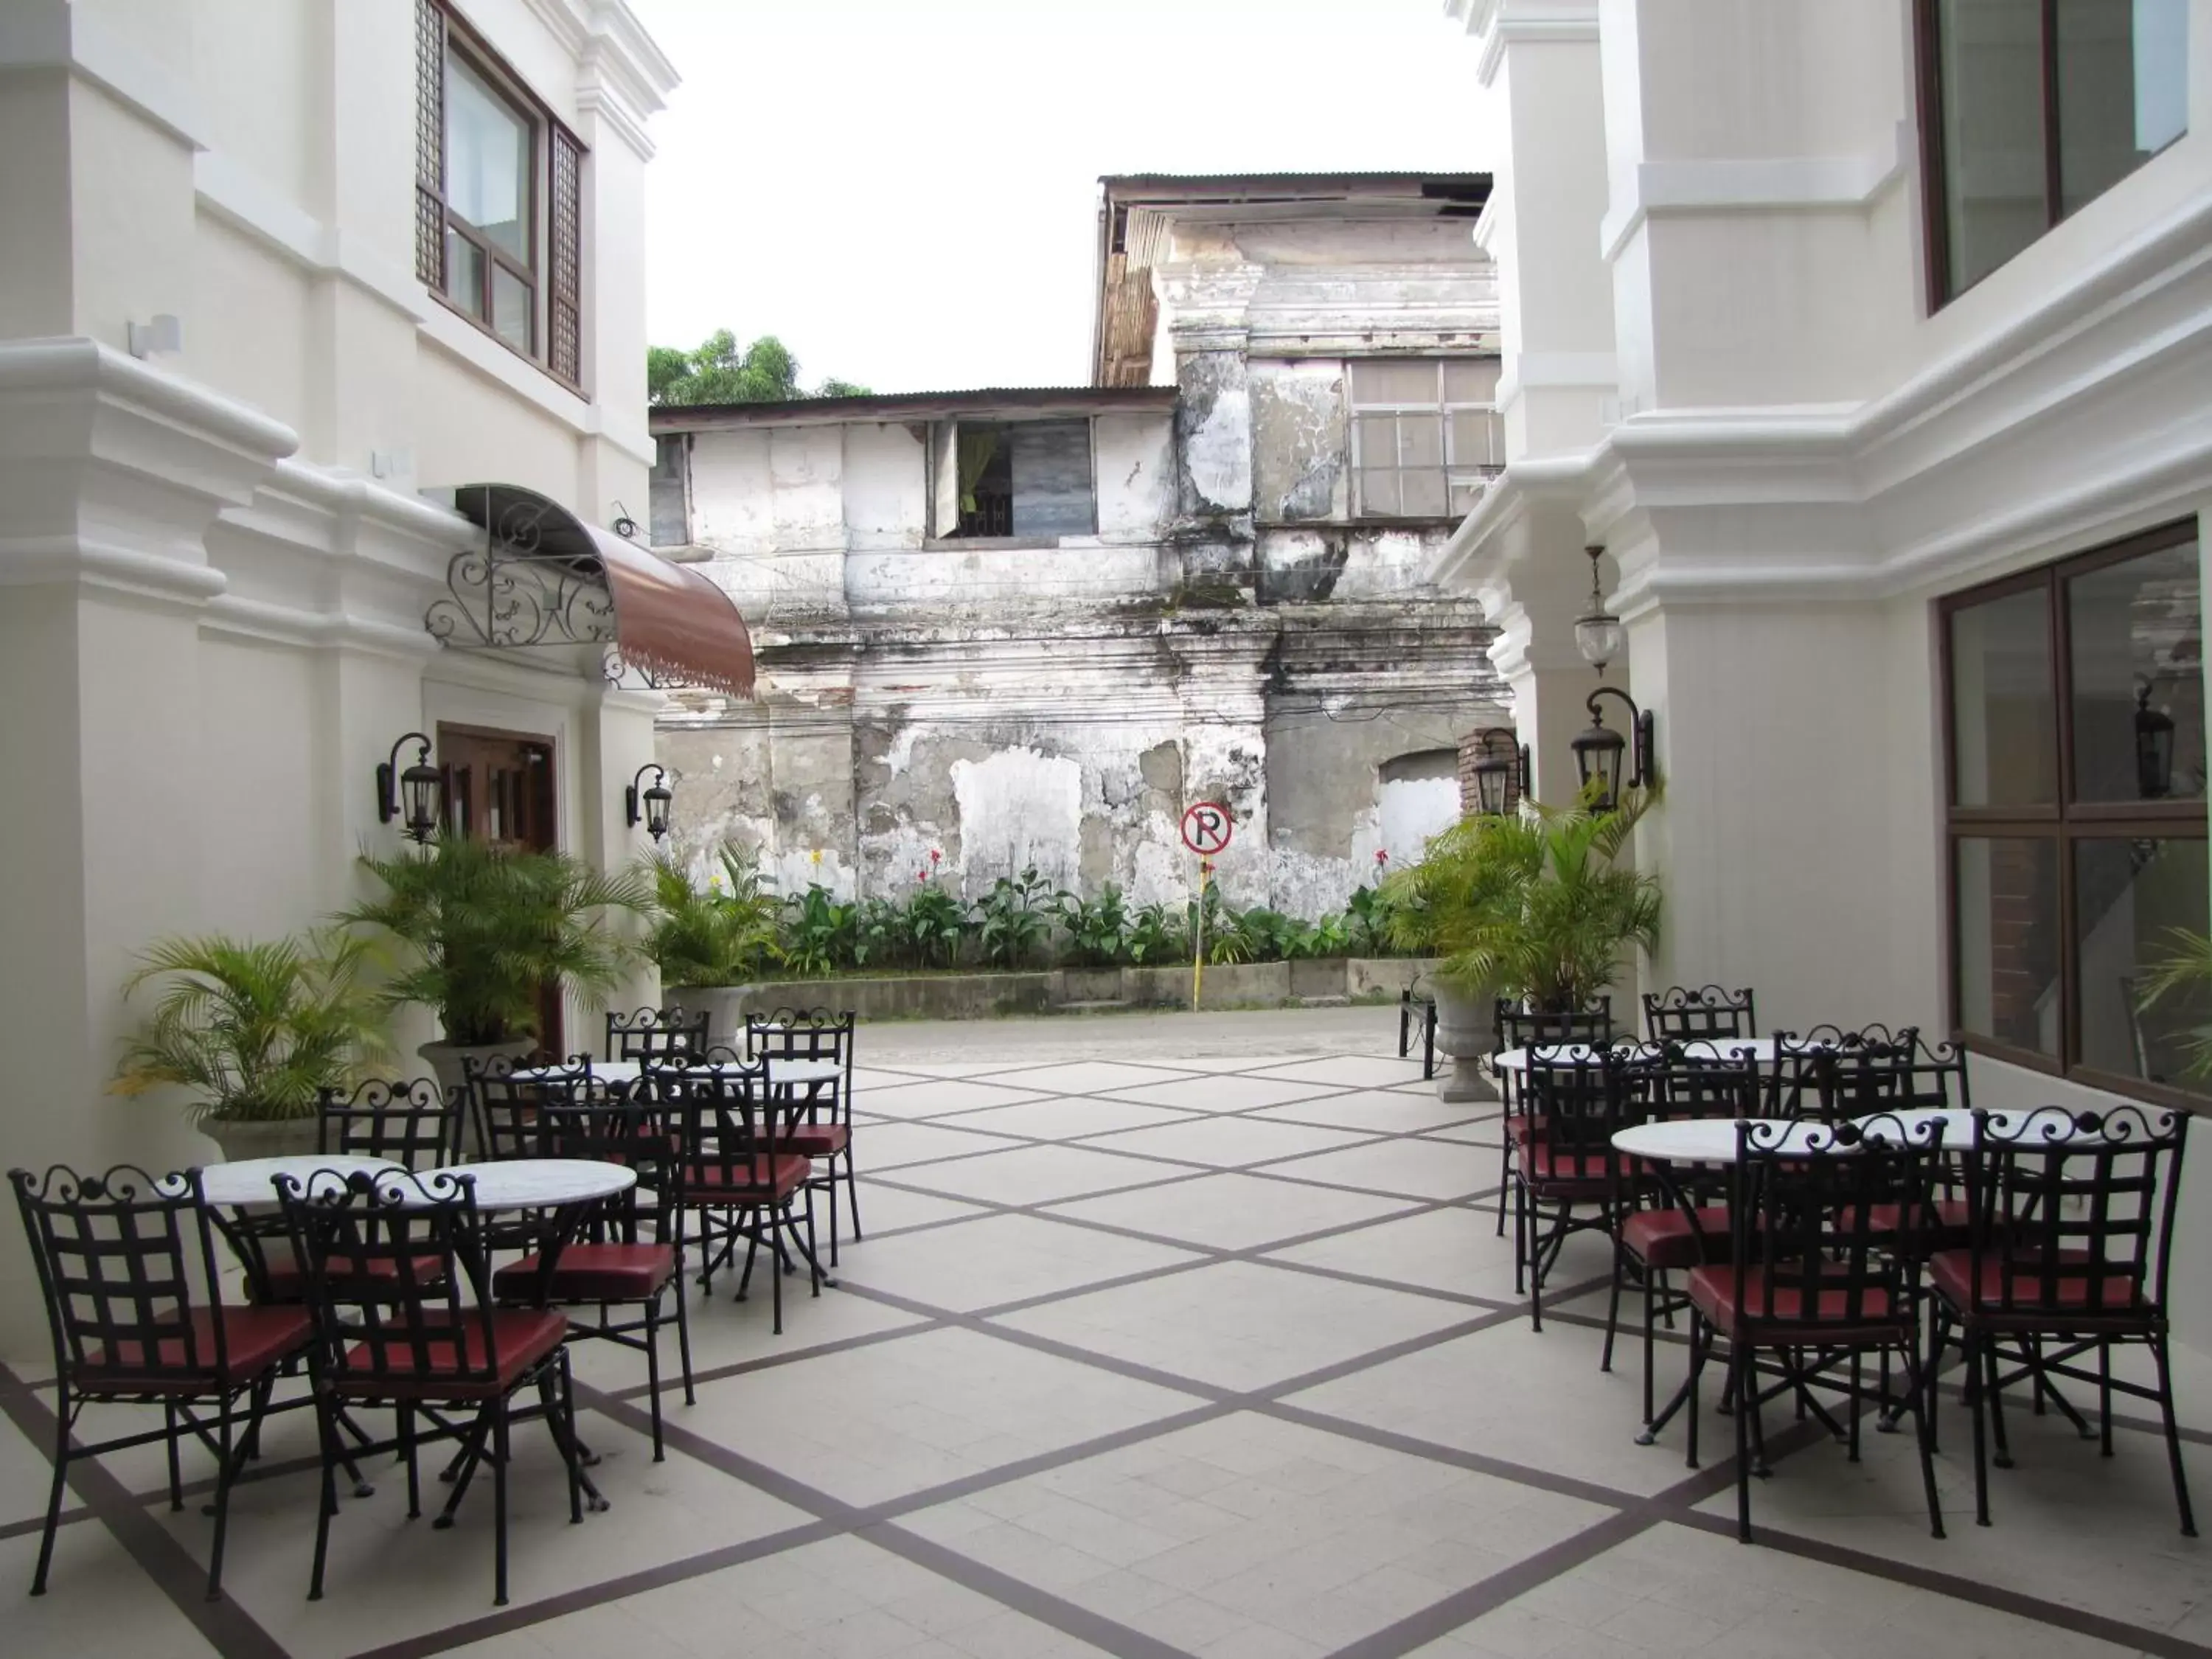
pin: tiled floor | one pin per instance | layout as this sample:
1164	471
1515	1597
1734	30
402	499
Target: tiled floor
1169	1336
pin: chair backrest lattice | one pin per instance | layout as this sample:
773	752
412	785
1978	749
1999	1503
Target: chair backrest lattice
1576	1106
656	1033
1516	1027
801	1034
715	1120
1806	1204
122	1258
398	1278
1833	1073
1680	1014
509	1098
415	1125
2072	1214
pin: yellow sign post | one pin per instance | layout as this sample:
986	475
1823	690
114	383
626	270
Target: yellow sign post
1206	831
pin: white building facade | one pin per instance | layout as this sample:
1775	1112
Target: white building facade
1029	627
1871	341
277	281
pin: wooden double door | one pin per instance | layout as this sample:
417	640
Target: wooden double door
498	787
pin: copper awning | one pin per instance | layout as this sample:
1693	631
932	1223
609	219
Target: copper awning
545	577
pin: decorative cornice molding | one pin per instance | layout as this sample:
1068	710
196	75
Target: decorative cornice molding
1501	23
1801	184
39	560
55	35
622	76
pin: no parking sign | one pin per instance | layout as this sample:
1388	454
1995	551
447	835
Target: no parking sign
1206	830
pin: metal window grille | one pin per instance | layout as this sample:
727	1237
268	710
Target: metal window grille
565	238
429	143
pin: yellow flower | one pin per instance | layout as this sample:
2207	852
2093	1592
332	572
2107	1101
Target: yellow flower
815	857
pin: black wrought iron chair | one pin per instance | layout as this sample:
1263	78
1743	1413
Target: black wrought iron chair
508	1098
2071	1242
1832	1073
632	1252
1679	1014
121	1260
660	1034
1669	1222
1417	1011
817	1119
385	1335
1514	1027
1810	1283
1566	1176
738	1182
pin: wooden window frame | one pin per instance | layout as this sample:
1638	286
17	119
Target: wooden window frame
1935	194
2064	821
552	274
1455	473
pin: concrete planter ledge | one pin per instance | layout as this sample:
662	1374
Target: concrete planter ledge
1061	990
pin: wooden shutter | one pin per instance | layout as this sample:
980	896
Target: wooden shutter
430	143
565	241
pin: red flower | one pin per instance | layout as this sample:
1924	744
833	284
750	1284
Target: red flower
1381	856
934	855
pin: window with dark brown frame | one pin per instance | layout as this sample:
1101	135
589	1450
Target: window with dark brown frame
498	197
2074	759
2030	108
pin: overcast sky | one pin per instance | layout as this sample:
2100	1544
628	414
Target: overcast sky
905	191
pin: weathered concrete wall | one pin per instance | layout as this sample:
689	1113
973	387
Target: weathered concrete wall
1227	632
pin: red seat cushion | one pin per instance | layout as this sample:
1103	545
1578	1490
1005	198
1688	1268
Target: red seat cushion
767	1180
1544	1164
815	1140
255	1339
592	1273
1666	1238
523	1336
1712	1292
1951	1271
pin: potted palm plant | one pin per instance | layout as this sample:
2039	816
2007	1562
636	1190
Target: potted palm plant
1535	905
485	928
255	1031
709	939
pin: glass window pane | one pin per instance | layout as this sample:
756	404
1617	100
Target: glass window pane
1420	441
1378	439
2128	897
511	304
1471	380
2004	727
1478	440
1421	495
1378	492
2135	628
2123	88
1400	381
1990	63
487	160
2006	895
464	264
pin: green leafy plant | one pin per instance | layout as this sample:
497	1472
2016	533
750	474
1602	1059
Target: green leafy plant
488	927
1367	918
1098	929
1328	936
1013	919
2184	974
1535	905
818	933
254	1030
721	934
1156	937
932	925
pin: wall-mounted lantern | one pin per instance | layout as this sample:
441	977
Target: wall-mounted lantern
416	790
1599	752
651	803
2154	747
1501	773
1599	635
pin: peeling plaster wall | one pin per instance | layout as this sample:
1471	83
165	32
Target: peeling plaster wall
1228	634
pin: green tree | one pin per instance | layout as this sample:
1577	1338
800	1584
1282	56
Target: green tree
765	372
